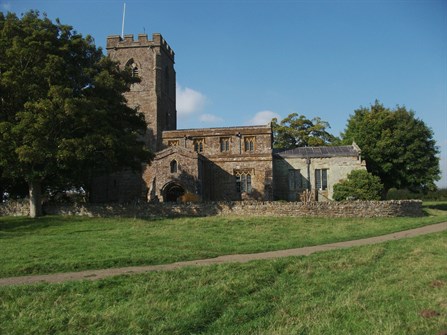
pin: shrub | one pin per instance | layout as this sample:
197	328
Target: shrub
360	185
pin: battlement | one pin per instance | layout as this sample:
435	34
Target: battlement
115	42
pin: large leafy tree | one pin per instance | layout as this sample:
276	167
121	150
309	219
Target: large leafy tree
398	147
63	118
298	131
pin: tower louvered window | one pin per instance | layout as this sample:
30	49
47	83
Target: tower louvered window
133	68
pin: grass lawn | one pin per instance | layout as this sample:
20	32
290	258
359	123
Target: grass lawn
60	244
398	287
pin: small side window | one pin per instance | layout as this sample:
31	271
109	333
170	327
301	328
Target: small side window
321	179
249	143
199	144
224	144
174	166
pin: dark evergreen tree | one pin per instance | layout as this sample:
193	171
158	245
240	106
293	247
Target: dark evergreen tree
63	117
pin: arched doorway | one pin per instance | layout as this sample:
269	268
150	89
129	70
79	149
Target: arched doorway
172	192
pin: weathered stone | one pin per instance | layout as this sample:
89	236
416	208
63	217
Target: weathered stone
392	208
211	169
154	95
337	162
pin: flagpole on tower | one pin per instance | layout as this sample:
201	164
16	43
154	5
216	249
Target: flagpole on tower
124	15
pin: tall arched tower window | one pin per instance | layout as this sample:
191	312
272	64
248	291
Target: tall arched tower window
133	67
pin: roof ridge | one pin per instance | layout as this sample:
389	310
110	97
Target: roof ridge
321	151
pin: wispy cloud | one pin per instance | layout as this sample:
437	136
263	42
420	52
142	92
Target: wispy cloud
263	117
6	6
210	118
189	101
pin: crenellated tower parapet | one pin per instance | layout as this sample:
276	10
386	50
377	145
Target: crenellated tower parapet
115	42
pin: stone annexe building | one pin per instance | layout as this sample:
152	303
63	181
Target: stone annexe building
232	163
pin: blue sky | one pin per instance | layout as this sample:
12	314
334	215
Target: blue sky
244	62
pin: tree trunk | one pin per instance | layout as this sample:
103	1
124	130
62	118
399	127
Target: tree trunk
35	198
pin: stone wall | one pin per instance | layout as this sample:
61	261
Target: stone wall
393	208
15	208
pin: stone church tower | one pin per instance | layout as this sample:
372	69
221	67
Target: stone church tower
153	62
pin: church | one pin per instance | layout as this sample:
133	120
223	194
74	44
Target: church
210	164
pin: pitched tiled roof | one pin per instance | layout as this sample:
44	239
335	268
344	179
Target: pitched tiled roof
314	152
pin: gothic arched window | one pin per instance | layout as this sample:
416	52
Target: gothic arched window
243	180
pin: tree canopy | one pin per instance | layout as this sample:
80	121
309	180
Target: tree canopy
298	131
398	147
63	117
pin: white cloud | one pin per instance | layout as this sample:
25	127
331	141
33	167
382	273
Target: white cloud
189	101
263	117
210	118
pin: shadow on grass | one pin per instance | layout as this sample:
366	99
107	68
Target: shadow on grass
27	224
440	206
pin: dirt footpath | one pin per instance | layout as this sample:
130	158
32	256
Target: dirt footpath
99	274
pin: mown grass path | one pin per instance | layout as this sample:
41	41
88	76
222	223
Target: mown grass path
236	258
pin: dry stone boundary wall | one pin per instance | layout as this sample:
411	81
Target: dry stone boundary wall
392	208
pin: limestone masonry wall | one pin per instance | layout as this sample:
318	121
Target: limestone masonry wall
391	208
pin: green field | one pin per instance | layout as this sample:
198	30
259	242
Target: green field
398	287
61	244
